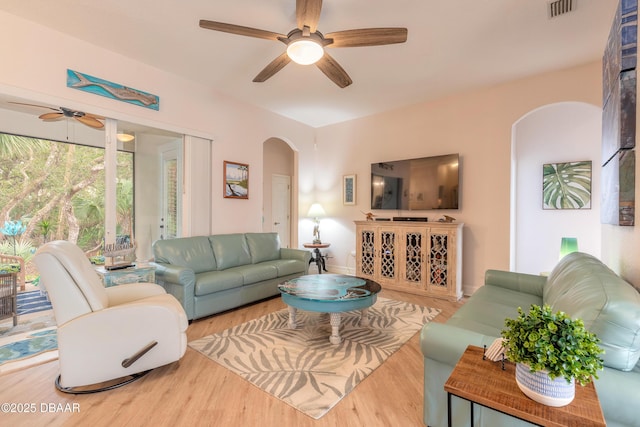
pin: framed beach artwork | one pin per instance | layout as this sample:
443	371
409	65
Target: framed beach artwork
566	185
235	180
349	190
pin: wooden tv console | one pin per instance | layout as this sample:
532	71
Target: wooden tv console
423	258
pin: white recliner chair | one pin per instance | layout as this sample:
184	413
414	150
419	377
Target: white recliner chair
106	334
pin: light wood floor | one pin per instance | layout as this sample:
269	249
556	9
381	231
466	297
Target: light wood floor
198	392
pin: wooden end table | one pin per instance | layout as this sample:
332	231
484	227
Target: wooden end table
485	382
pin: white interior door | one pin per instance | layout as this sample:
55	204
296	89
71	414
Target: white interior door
281	207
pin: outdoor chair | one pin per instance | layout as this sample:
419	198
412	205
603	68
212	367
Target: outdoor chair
8	303
107	337
13	260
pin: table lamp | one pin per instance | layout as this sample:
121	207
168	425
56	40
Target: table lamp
568	245
316	211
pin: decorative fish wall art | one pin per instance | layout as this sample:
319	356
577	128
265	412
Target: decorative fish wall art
87	83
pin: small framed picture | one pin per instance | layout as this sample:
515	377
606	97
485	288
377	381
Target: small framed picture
235	180
349	190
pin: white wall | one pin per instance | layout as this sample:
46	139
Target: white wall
564	132
477	124
35	70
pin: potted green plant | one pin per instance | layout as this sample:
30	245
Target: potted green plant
552	352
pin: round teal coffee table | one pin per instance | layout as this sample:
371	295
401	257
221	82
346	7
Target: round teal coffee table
329	293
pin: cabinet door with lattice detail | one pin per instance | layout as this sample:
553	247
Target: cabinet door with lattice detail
413	270
388	258
438	257
442	260
366	252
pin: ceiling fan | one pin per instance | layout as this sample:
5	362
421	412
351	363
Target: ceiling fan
91	120
307	40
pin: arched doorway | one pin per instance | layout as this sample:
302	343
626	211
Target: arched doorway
555	133
279	206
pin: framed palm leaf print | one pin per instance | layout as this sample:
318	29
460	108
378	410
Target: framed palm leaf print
566	185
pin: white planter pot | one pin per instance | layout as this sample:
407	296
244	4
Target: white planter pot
539	387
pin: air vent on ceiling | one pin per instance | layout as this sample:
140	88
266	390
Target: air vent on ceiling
560	7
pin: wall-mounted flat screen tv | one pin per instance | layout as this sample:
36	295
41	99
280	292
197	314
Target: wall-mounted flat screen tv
424	183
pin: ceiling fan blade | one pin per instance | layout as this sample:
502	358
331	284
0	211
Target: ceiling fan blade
50	116
239	30
334	71
367	37
90	121
308	14
95	116
33	105
273	67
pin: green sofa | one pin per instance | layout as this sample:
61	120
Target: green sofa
211	274
581	286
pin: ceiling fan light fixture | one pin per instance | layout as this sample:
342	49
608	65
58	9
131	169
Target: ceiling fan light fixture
305	51
125	137
305	44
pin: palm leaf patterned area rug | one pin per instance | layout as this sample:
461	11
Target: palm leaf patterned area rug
300	366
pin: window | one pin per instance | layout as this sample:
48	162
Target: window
57	190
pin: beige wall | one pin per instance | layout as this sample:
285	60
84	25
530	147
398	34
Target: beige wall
476	124
35	70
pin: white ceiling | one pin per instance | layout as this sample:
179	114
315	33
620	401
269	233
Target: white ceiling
452	46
